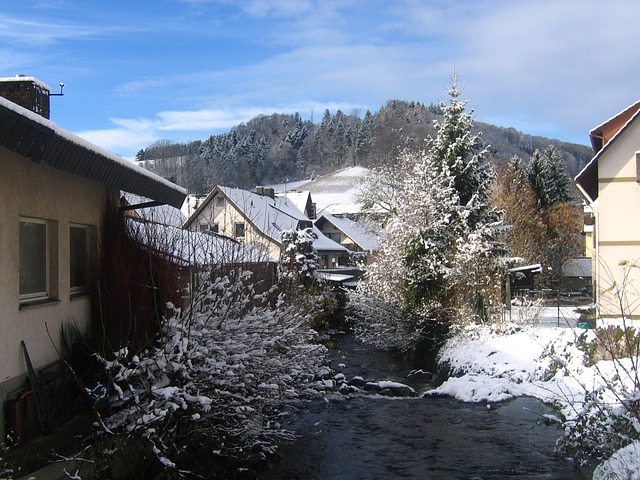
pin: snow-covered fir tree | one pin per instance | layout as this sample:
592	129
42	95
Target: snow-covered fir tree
439	225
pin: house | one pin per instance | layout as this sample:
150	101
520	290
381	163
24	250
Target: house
610	184
353	235
194	253
53	191
302	201
257	219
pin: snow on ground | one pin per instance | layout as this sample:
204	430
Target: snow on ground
523	359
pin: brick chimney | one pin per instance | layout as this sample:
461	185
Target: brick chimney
28	92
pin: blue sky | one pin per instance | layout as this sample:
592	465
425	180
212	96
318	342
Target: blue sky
139	71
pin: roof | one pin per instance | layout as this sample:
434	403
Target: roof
164	214
269	215
601	138
299	199
190	248
356	231
42	141
535	268
322	243
577	267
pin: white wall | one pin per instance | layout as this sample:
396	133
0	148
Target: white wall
28	189
618	221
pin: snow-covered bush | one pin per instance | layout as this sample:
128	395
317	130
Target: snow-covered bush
210	392
600	429
299	260
6	472
609	419
436	264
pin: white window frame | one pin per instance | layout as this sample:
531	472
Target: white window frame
33	296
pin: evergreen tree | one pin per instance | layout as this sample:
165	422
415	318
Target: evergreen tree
547	178
437	257
463	153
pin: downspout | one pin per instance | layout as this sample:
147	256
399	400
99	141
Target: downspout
596	247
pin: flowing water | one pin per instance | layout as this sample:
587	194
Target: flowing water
371	437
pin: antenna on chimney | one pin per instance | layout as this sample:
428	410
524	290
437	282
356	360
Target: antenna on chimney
58	94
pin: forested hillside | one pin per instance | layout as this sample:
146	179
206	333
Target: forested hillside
274	148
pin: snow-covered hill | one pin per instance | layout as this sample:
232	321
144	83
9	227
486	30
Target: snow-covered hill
334	193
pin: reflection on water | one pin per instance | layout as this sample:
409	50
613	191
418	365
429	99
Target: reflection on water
369	437
422	438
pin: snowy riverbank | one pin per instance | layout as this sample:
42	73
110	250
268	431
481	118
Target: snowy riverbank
538	359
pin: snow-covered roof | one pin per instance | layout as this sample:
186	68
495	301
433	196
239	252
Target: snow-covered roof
299	199
269	215
34	137
535	268
335	193
322	243
192	248
22	78
356	231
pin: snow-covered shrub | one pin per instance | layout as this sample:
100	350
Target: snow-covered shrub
212	389
609	419
436	263
475	279
598	431
299	260
6	471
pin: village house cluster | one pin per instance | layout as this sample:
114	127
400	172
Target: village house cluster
54	187
53	193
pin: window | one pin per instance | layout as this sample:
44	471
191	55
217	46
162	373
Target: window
34	260
205	227
239	230
219	201
78	258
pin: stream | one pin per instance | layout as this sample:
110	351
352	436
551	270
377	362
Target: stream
359	436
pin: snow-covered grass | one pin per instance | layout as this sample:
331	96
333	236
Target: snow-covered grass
541	360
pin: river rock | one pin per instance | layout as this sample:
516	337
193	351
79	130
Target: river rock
396	389
357	382
419	376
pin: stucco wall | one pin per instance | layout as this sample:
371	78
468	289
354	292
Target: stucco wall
33	190
618	221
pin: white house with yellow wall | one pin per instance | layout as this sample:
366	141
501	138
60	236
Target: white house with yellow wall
610	183
54	187
258	219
